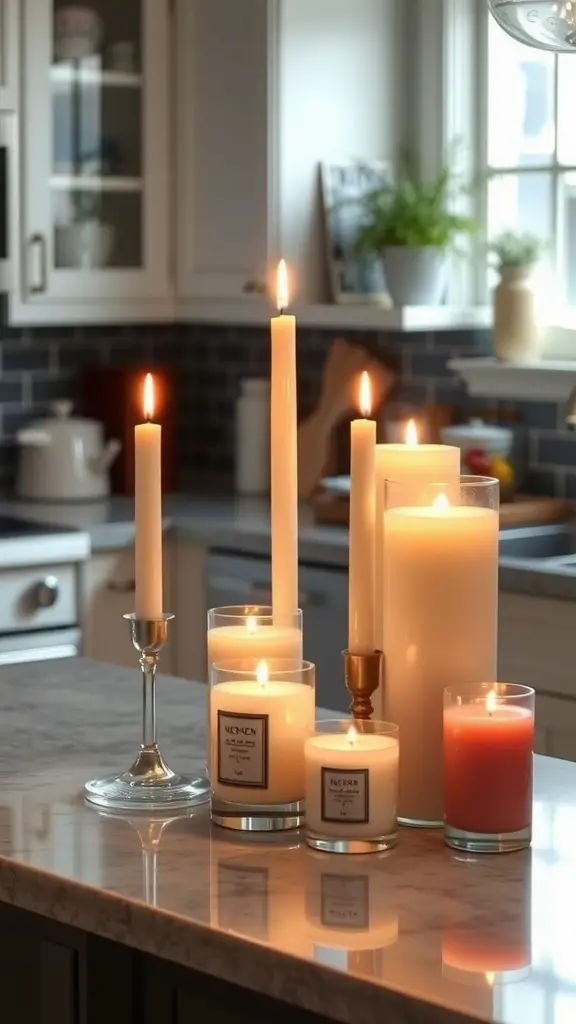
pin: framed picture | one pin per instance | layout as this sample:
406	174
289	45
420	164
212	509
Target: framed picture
354	277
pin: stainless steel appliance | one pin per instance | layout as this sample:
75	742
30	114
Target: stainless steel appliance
39	590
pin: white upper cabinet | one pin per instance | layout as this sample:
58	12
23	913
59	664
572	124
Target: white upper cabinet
91	236
9	41
266	90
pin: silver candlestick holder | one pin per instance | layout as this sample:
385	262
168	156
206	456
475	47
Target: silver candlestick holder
149	785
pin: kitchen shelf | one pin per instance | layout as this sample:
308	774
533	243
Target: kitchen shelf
70	75
361	317
546	380
94	183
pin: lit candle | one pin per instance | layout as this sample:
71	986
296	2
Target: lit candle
265	764
405	462
283	456
440	611
351	784
488	765
148	510
252	639
361	638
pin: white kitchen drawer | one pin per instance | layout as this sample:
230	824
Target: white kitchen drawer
23	591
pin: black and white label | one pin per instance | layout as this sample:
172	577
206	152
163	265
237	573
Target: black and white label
345	795
345	901
242	750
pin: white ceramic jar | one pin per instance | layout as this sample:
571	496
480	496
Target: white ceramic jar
517	334
252	464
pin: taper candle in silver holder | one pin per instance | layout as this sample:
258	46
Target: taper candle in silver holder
149	784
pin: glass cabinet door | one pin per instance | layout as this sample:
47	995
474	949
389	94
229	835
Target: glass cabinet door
96	156
96	184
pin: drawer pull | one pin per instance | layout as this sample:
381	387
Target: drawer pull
47	592
121	586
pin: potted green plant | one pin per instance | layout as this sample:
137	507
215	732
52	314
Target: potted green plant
517	333
87	241
411	224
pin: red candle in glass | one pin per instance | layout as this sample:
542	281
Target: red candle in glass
488	766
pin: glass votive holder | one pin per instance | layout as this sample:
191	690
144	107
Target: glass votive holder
248	631
352	786
261	713
488	741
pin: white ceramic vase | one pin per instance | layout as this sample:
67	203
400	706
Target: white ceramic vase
415	277
517	333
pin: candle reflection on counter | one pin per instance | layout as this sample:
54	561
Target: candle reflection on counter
349	905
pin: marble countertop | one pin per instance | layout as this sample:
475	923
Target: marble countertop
417	936
243	525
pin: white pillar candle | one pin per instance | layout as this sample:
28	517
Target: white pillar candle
258	729
361	638
253	641
148	510
283	458
440	610
351	785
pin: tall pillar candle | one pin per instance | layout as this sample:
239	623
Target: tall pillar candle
406	462
148	510
440	612
361	639
283	459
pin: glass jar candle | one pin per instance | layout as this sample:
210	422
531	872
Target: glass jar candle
488	741
352	786
261	714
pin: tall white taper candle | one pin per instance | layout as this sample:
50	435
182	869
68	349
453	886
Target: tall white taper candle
148	510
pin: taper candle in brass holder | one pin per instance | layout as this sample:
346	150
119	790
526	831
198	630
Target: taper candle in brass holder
149	785
362	673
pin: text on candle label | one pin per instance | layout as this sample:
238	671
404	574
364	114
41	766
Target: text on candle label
242	750
345	795
344	901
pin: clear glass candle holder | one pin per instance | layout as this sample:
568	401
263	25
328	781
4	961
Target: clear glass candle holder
440	578
261	714
352	786
237	632
488	742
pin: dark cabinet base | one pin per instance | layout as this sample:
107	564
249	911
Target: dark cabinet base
52	973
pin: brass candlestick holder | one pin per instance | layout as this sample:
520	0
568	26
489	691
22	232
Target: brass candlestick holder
362	673
149	785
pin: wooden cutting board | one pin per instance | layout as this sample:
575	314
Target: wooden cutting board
525	510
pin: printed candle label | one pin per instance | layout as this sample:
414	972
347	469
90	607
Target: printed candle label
345	795
345	901
242	750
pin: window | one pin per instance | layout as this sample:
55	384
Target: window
530	149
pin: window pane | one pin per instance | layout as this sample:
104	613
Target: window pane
521	202
521	103
566	93
567	256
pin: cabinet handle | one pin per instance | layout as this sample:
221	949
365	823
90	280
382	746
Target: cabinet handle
121	586
38	245
262	594
254	287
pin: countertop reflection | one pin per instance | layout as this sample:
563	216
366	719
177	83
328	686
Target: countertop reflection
490	938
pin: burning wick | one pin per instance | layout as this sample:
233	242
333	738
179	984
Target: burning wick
351	735
491	703
252	624
262	673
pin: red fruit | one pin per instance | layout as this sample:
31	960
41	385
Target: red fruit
477	462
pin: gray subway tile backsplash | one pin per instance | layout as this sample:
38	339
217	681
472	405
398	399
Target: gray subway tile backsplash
41	365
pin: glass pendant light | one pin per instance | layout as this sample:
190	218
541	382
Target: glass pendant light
544	24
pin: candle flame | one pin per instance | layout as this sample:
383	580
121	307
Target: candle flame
262	675
352	735
490	978
149	397
252	624
441	503
365	394
411	436
491	702
282	294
